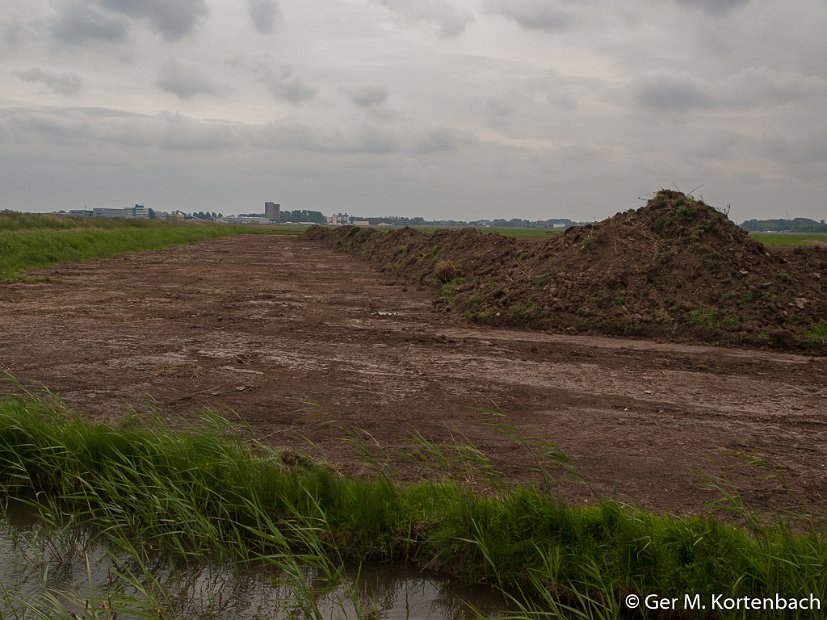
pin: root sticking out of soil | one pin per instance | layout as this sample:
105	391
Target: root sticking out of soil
675	269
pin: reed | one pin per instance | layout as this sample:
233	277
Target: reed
208	492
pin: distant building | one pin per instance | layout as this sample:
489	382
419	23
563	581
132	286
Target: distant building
272	211
339	219
248	219
361	223
139	212
80	212
106	212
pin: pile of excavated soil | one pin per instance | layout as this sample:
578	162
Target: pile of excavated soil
675	269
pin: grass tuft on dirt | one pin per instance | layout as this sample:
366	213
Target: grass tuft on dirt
209	492
675	269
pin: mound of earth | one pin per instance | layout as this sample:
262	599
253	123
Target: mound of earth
675	269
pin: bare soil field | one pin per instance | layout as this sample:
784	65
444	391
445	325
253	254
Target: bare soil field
303	343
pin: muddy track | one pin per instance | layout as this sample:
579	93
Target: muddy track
301	342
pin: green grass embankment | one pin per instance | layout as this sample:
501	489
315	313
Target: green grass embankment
32	249
31	241
209	492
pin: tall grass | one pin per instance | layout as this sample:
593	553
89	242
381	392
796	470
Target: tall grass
15	220
208	492
30	249
30	241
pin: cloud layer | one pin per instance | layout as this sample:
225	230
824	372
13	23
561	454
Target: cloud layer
265	14
439	108
185	81
447	19
172	20
60	83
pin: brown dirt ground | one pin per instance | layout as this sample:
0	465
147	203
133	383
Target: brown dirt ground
302	342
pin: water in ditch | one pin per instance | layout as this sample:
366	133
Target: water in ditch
70	571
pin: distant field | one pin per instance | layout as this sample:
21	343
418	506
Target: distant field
31	241
789	238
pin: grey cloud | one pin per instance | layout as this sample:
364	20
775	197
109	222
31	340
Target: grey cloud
448	20
807	148
567	101
284	83
590	154
664	90
767	86
499	107
374	140
92	111
287	135
79	22
498	111
265	14
54	127
364	138
185	82
10	32
97	128
60	83
184	133
367	95
749	87
171	18
713	7
703	146
173	131
532	14
439	140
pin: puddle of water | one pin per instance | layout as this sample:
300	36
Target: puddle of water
82	571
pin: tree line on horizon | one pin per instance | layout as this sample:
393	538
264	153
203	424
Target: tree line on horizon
798	225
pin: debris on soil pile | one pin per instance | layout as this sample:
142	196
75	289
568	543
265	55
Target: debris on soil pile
676	269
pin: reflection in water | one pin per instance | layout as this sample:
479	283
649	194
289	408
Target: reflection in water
82	571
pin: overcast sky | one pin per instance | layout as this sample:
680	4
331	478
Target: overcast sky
459	109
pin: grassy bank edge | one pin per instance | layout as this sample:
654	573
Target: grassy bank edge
207	491
37	242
